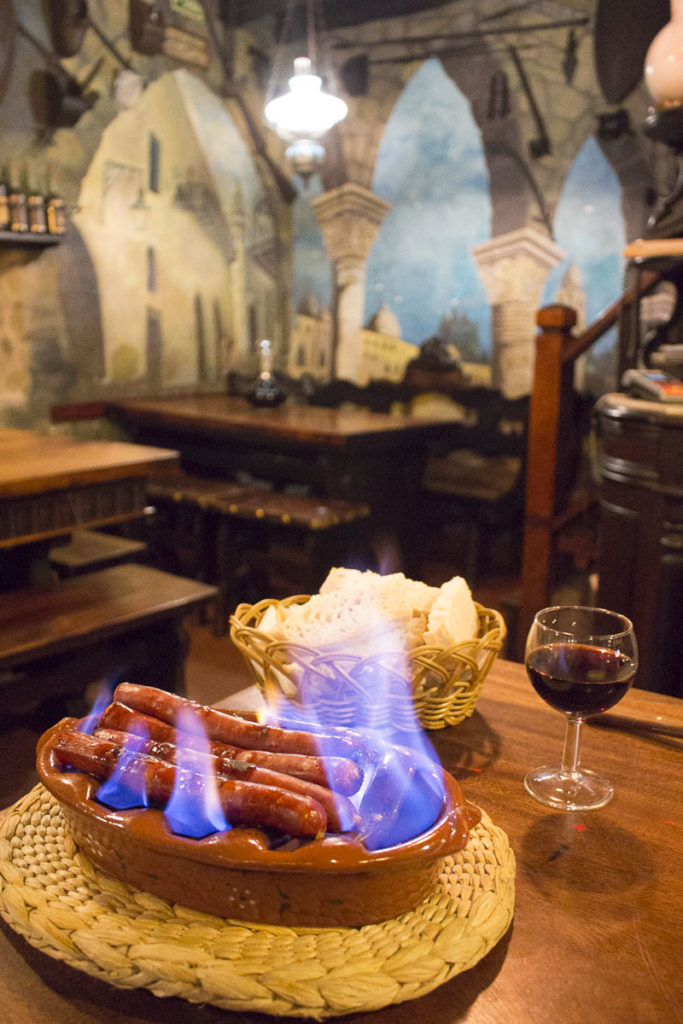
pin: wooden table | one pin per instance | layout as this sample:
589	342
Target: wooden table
51	485
597	930
340	453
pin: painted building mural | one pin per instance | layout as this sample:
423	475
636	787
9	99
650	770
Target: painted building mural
168	211
422	268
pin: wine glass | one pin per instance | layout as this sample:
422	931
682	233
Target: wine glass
581	661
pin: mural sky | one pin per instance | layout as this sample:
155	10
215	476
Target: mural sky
589	226
432	170
431	167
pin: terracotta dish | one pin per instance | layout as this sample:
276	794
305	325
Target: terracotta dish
328	882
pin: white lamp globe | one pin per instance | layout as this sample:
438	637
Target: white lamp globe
305	111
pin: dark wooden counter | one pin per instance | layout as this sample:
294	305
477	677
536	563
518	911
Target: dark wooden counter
597	930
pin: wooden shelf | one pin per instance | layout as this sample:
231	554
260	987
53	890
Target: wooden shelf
27	239
17	248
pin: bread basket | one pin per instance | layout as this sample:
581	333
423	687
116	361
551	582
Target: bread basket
443	683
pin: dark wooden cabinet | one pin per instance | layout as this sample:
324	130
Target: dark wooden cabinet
640	467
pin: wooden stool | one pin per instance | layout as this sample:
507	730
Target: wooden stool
93	549
245	534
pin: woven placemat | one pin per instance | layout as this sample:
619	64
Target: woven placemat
64	906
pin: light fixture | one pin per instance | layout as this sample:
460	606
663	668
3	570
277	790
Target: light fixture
306	113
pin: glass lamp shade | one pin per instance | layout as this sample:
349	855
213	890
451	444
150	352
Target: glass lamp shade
306	156
664	61
305	112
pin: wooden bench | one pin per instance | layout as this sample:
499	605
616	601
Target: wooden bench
239	536
93	549
478	486
116	623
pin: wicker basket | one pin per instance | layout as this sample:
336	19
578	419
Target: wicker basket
445	682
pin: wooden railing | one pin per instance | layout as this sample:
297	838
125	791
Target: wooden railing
554	447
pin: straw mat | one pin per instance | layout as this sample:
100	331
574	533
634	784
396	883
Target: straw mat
64	906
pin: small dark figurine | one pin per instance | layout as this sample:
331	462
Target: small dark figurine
436	354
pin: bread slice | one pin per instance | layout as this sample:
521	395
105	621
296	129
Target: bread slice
361	611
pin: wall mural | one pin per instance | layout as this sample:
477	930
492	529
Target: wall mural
312	271
167	274
432	169
589	227
170	211
421	270
173	266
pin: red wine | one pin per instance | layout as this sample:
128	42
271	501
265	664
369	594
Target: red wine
579	679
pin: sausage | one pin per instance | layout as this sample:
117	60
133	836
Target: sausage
220	725
243	803
341	814
340	774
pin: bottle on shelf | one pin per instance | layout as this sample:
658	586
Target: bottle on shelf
267	391
18	208
55	214
35	202
5	219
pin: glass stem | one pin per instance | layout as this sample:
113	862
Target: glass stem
570	754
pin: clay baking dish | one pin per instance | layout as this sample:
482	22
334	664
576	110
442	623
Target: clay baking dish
329	882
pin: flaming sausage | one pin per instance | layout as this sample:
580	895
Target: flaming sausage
220	725
340	774
341	814
243	803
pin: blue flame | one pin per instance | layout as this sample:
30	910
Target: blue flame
102	699
194	809
125	787
403	791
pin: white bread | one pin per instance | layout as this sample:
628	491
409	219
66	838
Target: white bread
362	610
453	615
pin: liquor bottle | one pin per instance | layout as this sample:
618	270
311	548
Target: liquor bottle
37	222
267	391
18	210
55	213
5	219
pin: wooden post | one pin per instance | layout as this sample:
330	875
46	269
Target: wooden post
550	414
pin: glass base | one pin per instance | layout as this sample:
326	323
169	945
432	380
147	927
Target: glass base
582	790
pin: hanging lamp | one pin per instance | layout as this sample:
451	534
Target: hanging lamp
306	113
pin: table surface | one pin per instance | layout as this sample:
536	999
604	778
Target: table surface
597	934
299	423
31	461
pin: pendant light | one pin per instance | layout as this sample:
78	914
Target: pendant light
303	115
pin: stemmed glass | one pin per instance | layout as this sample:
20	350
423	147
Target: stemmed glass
581	661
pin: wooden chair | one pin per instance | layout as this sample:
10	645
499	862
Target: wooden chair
475	483
479	485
